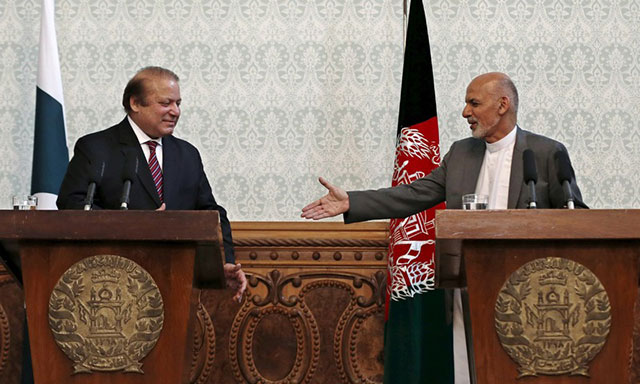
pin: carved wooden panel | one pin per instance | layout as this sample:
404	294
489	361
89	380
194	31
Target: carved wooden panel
635	364
314	309
11	328
204	344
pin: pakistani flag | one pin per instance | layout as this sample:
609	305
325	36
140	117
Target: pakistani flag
50	152
418	333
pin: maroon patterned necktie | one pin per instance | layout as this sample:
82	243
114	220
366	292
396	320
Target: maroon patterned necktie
154	166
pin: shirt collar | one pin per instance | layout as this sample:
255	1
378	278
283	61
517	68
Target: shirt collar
142	137
503	143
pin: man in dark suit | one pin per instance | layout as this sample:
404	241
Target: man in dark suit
145	136
491	106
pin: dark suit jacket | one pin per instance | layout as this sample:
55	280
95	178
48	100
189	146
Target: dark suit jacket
458	174
185	184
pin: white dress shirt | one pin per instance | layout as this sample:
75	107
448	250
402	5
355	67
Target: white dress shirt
143	138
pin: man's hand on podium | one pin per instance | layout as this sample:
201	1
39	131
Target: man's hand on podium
236	280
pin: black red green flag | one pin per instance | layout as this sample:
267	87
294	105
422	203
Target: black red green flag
418	333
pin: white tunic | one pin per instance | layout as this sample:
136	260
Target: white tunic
493	180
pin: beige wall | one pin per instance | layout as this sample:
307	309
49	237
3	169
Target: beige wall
279	92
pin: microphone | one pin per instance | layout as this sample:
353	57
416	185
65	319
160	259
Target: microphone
129	173
95	178
530	176
565	173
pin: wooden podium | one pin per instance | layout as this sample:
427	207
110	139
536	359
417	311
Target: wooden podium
481	250
122	272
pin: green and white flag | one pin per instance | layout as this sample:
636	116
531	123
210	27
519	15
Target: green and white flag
50	151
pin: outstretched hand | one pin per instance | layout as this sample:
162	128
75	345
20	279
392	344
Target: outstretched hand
236	280
335	202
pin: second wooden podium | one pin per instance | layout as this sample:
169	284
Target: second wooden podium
551	292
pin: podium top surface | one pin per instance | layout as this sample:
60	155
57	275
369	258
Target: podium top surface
453	227
196	226
538	224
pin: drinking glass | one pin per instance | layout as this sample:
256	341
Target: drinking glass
472	202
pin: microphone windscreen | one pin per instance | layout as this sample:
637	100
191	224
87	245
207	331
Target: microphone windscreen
563	163
530	172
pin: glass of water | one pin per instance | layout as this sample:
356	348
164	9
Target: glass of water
472	202
24	202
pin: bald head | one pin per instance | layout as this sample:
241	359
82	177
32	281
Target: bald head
500	85
491	106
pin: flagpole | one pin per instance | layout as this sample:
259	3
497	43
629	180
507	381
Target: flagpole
404	25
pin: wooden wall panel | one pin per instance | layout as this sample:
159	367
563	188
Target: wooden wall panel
11	328
635	363
314	309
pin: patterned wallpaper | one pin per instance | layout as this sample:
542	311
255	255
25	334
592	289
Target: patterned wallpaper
277	92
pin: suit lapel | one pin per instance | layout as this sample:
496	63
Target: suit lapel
472	165
515	181
129	140
170	168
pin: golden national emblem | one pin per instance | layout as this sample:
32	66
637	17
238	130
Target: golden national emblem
106	314
552	317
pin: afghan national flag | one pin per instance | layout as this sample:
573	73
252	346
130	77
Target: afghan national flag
418	335
50	152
